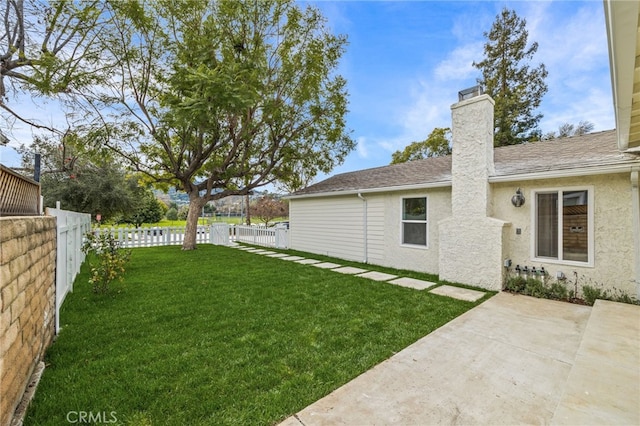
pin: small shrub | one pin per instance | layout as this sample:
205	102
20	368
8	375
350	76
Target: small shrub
558	291
535	288
107	260
623	297
515	284
591	294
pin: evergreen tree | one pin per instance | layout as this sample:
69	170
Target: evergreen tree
508	78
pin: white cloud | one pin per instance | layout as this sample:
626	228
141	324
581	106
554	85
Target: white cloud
459	63
361	147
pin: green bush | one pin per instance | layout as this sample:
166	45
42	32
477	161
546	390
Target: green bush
558	291
106	260
591	294
535	288
172	214
515	284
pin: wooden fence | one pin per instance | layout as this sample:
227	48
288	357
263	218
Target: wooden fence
19	195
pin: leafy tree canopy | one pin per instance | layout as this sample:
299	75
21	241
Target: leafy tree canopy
437	144
507	76
220	98
51	48
71	175
268	207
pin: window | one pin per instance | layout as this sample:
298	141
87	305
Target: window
563	225
414	221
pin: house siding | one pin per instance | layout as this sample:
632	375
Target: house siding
613	266
331	226
376	245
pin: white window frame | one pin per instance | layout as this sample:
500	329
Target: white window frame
403	221
590	224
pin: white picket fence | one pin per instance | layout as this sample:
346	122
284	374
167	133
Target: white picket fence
157	236
71	228
277	237
218	234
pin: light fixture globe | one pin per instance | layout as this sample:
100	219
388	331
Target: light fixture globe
518	199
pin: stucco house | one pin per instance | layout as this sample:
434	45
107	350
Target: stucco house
570	206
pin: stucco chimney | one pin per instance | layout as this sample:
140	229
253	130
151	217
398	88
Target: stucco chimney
471	242
472	158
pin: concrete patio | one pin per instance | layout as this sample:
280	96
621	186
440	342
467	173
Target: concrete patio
511	360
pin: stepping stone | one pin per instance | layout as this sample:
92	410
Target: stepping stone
458	293
255	250
412	283
307	261
292	258
326	265
350	270
281	255
265	252
377	276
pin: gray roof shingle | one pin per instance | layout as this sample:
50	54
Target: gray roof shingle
594	149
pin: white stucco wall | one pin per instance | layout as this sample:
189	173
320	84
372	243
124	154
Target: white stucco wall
472	156
397	255
471	252
471	243
614	265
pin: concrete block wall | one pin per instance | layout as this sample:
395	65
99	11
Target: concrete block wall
27	303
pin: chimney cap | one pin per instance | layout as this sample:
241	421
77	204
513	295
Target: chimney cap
469	93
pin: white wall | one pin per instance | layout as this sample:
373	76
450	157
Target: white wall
396	255
331	226
613	238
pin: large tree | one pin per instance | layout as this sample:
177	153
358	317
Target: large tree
219	98
508	78
437	144
50	48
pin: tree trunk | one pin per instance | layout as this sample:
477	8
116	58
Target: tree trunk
196	203
248	210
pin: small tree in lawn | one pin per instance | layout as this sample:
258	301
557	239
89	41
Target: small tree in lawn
267	208
107	260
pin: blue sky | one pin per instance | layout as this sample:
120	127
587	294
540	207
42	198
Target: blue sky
407	60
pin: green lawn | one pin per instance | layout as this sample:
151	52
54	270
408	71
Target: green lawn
218	336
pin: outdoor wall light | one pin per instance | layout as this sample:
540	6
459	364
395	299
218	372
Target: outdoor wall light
518	199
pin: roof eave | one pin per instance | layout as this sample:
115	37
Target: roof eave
625	167
621	19
419	186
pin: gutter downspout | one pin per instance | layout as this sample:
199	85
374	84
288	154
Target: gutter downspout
635	212
364	226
